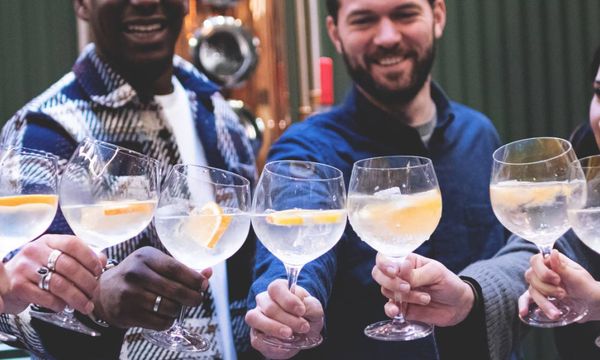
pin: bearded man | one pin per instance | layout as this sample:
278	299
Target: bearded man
393	108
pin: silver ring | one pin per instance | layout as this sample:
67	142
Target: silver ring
45	277
157	303
53	258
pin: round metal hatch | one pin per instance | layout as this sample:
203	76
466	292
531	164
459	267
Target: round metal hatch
224	51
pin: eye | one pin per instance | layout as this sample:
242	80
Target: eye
597	91
362	20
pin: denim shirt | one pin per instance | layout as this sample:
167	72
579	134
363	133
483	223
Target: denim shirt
461	148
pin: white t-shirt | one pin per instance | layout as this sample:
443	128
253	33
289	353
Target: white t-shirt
176	107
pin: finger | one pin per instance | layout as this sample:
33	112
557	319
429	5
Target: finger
259	321
394	284
547	307
77	249
391	309
28	292
270	352
524	302
70	294
273	311
289	302
71	269
314	309
542	287
152	320
172	269
429	274
166	306
386	265
159	285
542	271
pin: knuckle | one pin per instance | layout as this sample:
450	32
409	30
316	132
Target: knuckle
270	310
30	250
251	317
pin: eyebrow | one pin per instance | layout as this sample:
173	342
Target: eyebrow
362	12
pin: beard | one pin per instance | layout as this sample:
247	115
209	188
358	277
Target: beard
422	66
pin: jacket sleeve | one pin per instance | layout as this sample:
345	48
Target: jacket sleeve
317	276
502	281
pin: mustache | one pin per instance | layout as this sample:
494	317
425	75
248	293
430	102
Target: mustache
381	53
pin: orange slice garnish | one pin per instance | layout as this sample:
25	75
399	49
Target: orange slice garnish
297	217
128	208
409	214
28	199
207	224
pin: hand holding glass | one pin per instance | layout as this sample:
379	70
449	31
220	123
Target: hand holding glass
394	205
202	219
107	195
298	215
529	190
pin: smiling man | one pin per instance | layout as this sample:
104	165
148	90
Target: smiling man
394	108
129	89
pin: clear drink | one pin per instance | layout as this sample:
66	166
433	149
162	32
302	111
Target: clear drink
536	211
108	223
299	236
23	218
395	224
186	240
585	224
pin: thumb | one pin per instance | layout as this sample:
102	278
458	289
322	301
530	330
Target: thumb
556	263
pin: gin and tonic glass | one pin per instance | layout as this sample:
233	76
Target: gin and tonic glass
394	205
299	213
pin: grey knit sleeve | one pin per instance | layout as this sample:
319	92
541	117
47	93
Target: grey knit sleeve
502	282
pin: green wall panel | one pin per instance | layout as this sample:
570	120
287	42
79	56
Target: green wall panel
38	39
522	62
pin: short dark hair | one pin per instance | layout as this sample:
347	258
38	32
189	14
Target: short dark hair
333	6
595	64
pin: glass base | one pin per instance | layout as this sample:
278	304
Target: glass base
390	330
177	339
570	313
294	342
64	320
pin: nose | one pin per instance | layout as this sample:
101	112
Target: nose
388	35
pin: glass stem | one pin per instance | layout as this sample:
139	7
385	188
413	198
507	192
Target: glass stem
292	275
178	326
546	250
398	319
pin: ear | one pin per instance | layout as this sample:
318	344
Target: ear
82	9
334	35
439	18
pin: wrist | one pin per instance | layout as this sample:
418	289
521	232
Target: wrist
468	301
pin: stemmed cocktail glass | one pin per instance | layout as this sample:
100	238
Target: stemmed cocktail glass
202	219
529	191
394	205
298	214
107	195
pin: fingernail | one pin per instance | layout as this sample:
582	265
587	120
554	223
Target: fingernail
89	307
285	332
391	270
424	299
404	287
304	328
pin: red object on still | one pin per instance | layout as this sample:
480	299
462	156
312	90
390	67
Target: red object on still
326	64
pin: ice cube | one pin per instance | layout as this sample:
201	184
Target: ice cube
388	192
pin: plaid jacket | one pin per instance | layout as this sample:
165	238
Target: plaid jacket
93	100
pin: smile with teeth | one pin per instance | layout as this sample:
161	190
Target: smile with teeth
144	28
389	61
